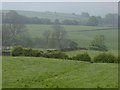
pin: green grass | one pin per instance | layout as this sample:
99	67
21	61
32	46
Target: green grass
92	53
76	34
30	72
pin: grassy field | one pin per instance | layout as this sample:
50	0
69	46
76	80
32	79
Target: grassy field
92	53
30	72
81	34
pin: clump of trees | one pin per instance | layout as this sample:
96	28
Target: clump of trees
57	38
82	57
92	21
98	43
7	18
14	31
20	51
105	58
70	22
59	55
85	14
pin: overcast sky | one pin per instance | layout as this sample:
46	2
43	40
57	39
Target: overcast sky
94	8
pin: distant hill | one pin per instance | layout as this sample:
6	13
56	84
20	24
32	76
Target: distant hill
51	15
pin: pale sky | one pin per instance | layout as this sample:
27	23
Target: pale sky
94	8
59	0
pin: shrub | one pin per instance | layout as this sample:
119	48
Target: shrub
17	51
82	57
27	52
105	58
31	52
118	59
37	53
56	55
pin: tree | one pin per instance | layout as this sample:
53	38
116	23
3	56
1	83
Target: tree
70	22
46	36
98	43
11	33
99	19
92	21
6	35
111	19
13	28
59	33
13	17
85	14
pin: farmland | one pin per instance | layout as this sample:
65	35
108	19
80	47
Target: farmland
81	34
31	72
38	72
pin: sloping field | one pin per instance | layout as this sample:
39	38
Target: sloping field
80	34
30	72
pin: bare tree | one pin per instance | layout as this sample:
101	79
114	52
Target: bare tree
46	36
59	33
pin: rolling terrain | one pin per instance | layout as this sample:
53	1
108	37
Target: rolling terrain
83	35
39	72
30	72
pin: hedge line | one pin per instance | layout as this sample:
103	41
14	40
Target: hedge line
101	58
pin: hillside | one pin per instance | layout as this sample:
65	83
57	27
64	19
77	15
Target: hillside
80	34
50	15
31	72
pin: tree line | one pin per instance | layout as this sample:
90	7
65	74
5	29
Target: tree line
109	19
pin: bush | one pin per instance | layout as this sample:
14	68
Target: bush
31	52
17	51
118	59
82	57
56	55
27	52
105	58
37	53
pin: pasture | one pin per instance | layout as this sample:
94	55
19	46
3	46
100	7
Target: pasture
38	72
31	72
80	34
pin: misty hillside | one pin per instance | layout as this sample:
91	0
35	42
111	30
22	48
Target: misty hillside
51	15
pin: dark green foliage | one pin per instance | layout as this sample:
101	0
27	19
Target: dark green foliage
27	52
56	55
82	57
111	19
98	43
37	53
85	14
13	17
70	22
105	58
92	21
118	59
31	52
17	51
73	45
